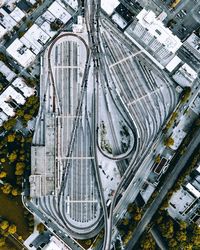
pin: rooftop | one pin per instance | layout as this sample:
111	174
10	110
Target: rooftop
21	53
157	29
59	12
109	6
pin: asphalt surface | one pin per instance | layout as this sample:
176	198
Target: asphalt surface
169	182
158	239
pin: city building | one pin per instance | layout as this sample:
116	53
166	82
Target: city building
192	44
55	244
21	53
58	10
7	72
151	33
72	3
184	204
9	20
20	85
109	6
35	38
185	75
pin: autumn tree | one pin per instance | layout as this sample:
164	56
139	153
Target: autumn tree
12	157
41	228
8	125
4	224
2	241
3	174
6	188
168	142
15	192
12	229
157	159
147	242
11	138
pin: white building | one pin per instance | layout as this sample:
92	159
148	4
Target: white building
7	72
173	63
9	20
72	3
193	190
21	53
58	10
55	244
35	38
6	21
119	20
17	14
20	84
192	44
109	5
79	27
185	75
10	94
154	36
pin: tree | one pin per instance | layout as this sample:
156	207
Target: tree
3	174
19	172
127	237
130	207
137	216
29	24
20	112
41	228
4	224
2	57
27	117
181	236
11	138
182	225
172	243
8	125
15	192
2	241
12	157
3	160
12	229
168	142
6	188
20	165
125	221
88	242
55	25
157	159
147	242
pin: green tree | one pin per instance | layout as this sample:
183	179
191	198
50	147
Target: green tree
8	125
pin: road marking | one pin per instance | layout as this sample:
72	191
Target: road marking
126	58
67	67
148	94
76	158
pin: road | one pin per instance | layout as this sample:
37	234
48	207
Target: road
169	182
158	238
